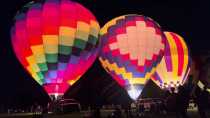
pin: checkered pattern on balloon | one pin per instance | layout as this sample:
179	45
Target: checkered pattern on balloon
56	41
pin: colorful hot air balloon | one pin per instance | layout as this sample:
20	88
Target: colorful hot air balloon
175	65
132	46
56	41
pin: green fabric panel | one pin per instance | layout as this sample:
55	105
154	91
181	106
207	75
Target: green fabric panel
65	50
92	39
42	81
41	78
51	58
79	43
39	82
40	75
43	66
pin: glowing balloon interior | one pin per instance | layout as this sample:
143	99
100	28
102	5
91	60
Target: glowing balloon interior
56	41
134	91
132	46
174	68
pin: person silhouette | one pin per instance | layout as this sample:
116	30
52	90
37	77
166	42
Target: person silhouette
117	113
182	101
171	101
97	113
201	98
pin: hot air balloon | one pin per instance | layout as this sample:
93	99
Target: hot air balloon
175	65
131	47
56	41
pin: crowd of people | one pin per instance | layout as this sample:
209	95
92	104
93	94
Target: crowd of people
178	102
175	102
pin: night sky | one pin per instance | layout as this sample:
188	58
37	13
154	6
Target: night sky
190	19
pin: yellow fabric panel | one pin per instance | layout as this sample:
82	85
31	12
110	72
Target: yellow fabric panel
39	54
162	71
32	63
128	75
113	66
168	77
95	28
186	55
67	31
165	75
110	23
94	32
142	80
171	78
95	24
174	55
82	26
66	40
37	49
138	81
51	49
83	30
31	60
50	44
33	74
67	36
120	70
40	58
35	68
50	39
82	35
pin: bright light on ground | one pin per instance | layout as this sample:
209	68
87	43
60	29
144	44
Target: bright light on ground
134	92
56	96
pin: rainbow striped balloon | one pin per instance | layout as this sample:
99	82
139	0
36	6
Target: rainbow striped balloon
56	41
174	68
132	46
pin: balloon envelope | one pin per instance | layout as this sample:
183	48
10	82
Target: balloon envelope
174	68
56	41
132	46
